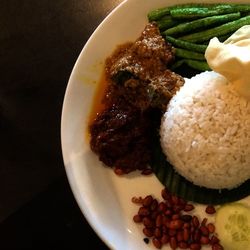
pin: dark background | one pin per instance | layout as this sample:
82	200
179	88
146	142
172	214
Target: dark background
40	41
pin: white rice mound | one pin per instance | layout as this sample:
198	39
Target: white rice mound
205	132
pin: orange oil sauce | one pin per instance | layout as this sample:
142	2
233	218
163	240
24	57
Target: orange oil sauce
97	102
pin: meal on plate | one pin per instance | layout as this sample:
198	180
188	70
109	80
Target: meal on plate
177	104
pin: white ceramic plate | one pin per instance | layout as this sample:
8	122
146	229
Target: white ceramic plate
103	197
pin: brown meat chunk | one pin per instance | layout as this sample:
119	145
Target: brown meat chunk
162	87
144	58
138	72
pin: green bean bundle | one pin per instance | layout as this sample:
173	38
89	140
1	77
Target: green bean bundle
189	28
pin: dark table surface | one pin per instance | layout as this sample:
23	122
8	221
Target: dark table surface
40	41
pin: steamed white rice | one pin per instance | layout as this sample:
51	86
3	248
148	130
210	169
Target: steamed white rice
205	132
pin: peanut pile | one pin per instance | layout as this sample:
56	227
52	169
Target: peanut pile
169	222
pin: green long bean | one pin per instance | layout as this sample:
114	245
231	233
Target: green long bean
199	12
217	31
198	65
183	53
186	45
167	22
201	23
155	15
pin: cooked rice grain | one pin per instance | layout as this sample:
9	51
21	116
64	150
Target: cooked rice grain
205	132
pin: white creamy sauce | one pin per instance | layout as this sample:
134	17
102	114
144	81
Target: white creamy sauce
232	59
